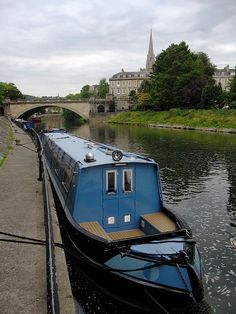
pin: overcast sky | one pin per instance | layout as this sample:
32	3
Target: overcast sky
57	46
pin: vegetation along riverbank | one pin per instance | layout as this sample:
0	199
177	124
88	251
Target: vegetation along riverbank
221	120
6	139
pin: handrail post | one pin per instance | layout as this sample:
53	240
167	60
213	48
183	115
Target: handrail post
40	167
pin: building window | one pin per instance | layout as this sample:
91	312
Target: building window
111	182
127	180
118	91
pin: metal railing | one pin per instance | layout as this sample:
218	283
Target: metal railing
52	289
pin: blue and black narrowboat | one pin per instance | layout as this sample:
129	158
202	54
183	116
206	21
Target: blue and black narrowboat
111	204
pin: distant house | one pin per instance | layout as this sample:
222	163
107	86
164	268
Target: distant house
122	83
223	76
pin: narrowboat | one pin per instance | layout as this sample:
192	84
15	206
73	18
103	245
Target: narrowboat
132	246
35	118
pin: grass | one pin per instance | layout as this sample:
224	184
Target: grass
7	140
191	118
3	158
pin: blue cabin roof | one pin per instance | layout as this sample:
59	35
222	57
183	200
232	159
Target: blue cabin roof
77	148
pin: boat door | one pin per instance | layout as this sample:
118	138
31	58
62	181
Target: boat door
118	196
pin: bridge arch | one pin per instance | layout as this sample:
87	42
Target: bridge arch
19	108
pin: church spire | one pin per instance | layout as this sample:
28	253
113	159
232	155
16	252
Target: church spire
150	56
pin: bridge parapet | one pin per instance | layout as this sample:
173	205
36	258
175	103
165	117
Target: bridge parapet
82	107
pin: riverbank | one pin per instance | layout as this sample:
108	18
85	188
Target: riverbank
23	287
6	138
202	120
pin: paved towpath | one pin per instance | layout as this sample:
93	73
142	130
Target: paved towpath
22	266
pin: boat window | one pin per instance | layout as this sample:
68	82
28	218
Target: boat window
111	183
127	218
67	177
111	220
127	180
57	162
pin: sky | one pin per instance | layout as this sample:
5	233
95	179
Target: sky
52	47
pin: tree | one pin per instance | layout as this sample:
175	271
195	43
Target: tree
103	88
145	101
133	96
145	87
212	95
9	90
232	92
72	116
179	77
73	96
1	99
209	68
232	85
84	93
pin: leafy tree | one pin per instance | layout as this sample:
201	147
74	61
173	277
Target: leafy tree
103	88
179	77
145	87
232	89
9	90
133	96
212	95
73	96
232	93
72	116
84	93
209	68
145	101
1	100
192	92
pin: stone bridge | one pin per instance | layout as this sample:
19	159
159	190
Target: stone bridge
83	108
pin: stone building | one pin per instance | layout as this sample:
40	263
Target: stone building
223	76
122	83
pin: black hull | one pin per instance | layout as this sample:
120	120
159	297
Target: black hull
145	297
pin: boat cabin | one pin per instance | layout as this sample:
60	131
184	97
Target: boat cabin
110	193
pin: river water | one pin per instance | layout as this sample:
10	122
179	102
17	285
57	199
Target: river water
198	174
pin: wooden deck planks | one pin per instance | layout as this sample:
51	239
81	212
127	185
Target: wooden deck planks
126	234
160	221
95	228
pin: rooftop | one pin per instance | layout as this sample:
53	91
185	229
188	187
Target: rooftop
124	74
78	148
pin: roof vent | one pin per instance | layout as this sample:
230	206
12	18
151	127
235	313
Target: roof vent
89	157
117	155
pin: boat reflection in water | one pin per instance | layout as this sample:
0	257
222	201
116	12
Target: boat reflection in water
127	241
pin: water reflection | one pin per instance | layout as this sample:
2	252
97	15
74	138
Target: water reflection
198	173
